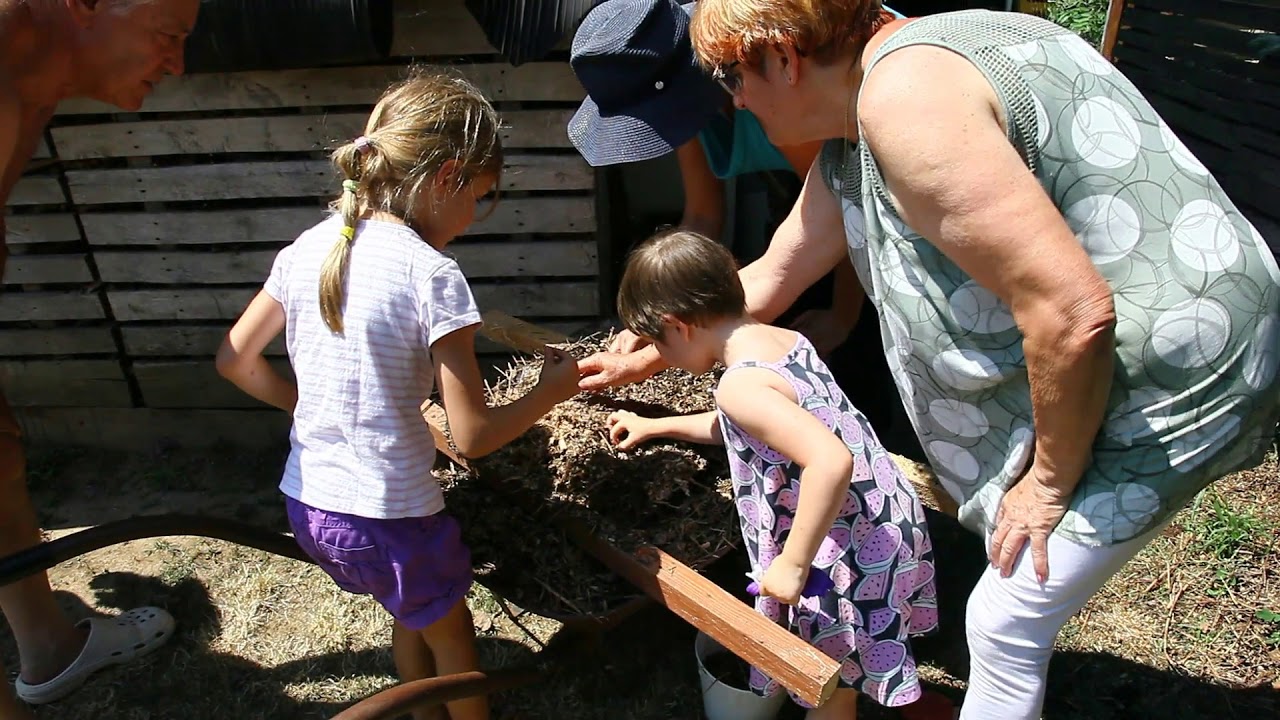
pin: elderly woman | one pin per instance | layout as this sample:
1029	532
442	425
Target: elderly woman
1084	328
648	97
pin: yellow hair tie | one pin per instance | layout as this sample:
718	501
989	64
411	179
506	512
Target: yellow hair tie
350	186
348	232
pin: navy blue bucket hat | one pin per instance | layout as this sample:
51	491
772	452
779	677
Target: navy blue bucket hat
646	93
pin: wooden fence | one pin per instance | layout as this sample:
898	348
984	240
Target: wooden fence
1212	70
138	238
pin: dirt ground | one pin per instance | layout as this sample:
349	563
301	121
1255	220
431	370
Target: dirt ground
1190	629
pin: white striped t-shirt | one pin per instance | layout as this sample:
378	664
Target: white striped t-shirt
360	445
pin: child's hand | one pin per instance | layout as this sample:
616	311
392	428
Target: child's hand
637	429
559	373
784	580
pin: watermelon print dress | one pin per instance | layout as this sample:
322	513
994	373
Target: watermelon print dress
878	551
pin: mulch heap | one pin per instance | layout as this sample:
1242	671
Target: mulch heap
673	495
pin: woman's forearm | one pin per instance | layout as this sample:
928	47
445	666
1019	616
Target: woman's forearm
1069	367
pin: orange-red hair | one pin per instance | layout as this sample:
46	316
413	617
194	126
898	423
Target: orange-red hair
728	31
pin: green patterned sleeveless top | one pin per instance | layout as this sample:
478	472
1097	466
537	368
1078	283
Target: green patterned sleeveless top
1196	290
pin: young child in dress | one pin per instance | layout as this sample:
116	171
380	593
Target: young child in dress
374	312
813	486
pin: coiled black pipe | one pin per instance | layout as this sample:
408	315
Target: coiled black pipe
525	30
47	554
385	705
239	35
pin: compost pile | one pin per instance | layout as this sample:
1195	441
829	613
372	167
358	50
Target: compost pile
673	495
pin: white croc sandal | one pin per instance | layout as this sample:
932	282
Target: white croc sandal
112	641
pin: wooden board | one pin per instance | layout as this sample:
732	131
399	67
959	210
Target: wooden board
361	85
194	384
204	340
49	305
56	341
549	258
539	129
36	190
64	383
35	229
46	269
288	179
521	299
535	216
145	429
183	304
189	340
1239	12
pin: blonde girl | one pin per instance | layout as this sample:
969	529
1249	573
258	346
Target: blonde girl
374	313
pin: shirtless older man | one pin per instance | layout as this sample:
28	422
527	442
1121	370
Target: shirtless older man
114	51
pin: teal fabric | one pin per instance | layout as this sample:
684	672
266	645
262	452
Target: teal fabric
736	145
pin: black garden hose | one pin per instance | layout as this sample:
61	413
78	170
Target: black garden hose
525	30
47	554
240	35
384	705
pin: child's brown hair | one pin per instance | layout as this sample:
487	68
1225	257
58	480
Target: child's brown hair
417	126
682	274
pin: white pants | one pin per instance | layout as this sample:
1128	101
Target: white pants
1012	623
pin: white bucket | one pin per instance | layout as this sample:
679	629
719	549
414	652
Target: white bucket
725	702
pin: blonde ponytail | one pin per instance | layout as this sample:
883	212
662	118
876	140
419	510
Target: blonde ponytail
333	273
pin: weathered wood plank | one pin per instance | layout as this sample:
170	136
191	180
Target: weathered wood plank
204	340
34	229
178	340
16	342
1244	14
362	85
45	269
520	299
42	150
40	306
277	133
437	27
545	299
64	383
184	304
145	429
36	190
538	215
549	258
194	384
288	179
434	28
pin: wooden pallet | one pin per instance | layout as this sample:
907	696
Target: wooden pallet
138	238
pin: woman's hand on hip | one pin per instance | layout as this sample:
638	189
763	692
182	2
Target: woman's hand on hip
1028	512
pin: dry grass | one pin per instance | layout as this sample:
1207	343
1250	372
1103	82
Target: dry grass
671	494
1181	633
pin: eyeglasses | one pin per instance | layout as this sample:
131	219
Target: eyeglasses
728	77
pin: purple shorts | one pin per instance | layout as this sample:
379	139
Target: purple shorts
417	568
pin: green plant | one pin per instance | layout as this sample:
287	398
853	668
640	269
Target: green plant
1273	617
1086	18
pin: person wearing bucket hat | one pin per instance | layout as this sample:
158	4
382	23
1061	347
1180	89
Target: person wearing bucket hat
648	97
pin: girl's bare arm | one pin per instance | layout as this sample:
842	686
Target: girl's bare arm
240	358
